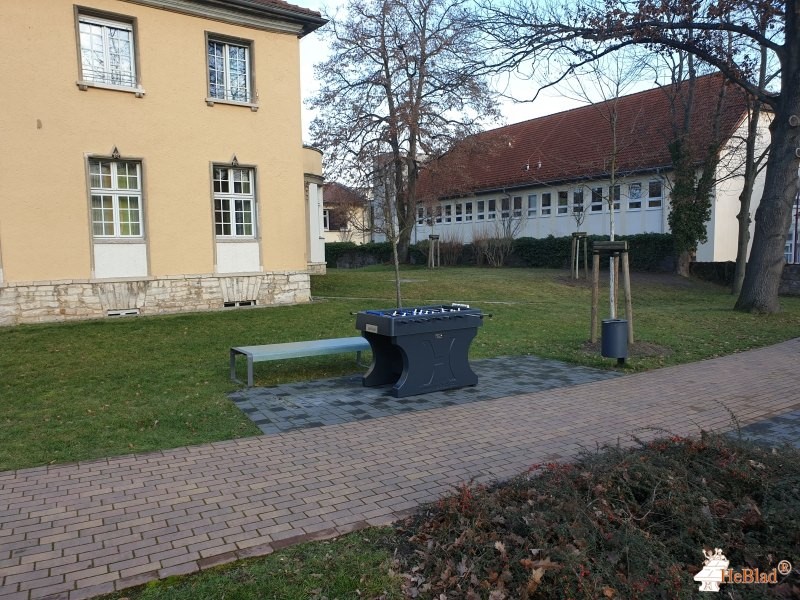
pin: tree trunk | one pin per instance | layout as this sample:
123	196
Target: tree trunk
773	217
744	229
684	260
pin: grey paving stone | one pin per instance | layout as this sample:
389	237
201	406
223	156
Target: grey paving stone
338	400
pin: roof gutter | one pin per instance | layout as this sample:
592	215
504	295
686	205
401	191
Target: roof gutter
309	22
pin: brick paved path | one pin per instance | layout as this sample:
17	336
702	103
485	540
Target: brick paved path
79	530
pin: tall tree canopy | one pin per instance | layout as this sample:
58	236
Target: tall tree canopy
726	34
397	89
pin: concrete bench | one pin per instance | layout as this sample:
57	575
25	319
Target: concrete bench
267	352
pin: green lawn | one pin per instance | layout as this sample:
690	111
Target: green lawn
83	390
353	566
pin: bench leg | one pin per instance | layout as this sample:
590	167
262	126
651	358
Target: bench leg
233	367
358	358
249	371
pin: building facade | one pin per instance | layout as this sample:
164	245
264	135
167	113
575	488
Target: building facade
158	162
534	178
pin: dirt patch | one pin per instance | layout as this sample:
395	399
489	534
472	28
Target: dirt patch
666	279
635	350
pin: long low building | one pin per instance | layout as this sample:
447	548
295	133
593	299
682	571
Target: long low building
533	178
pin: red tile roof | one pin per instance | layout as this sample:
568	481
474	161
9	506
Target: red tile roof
337	194
577	144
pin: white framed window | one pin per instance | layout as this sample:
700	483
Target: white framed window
597	199
505	207
480	210
563	203
547	204
634	196
614	193
420	215
107	50
516	206
577	200
459	212
491	212
326	219
116	198
229	70
448	213
438	216
234	202
468	211
654	194
533	205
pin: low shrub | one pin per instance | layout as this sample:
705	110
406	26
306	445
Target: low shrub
617	524
349	255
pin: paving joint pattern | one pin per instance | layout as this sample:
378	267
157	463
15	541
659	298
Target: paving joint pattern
305	404
75	531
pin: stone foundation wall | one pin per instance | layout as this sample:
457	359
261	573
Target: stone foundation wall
317	268
42	301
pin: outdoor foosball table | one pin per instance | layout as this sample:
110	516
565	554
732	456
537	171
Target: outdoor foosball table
421	349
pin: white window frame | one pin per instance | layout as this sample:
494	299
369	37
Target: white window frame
326	219
480	210
547	204
448	214
505	207
227	93
516	206
562	203
615	196
231	197
635	196
114	194
491	209
126	79
655	202
459	212
578	193
533	206
596	204
468	211
420	215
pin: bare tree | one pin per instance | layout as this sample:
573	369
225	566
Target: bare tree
397	89
580	34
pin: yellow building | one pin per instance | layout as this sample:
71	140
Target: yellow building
156	154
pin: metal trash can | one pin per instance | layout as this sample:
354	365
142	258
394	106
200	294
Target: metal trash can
614	339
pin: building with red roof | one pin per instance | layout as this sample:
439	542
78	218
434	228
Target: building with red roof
529	178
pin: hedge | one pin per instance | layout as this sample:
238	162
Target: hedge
348	255
647	252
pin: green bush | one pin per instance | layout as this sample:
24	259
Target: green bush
333	250
349	254
646	251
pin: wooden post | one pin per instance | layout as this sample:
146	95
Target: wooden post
595	294
572	270
616	283
626	282
586	259
433	251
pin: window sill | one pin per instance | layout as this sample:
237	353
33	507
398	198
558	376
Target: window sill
120	240
212	101
83	86
235	240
